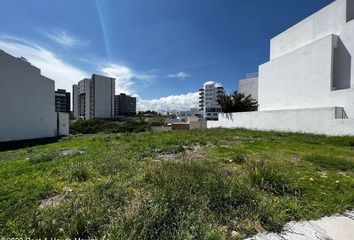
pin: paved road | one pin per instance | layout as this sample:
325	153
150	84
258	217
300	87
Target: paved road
337	227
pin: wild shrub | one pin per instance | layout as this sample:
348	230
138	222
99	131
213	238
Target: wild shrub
82	215
271	180
79	173
187	198
44	156
238	158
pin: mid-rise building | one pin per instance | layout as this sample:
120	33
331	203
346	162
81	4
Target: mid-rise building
208	100
27	107
94	98
62	101
124	105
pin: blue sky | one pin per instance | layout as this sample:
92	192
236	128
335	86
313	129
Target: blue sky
162	51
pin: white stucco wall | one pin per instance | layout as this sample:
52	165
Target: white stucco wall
316	121
329	20
249	86
303	78
27	102
63	121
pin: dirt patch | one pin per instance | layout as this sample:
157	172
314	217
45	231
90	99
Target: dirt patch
295	158
194	154
72	152
50	202
55	200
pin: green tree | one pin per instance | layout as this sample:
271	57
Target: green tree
237	102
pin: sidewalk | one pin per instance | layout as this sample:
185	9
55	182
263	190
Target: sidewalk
337	227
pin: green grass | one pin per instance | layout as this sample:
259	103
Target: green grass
120	186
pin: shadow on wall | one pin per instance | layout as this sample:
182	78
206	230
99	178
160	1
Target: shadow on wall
342	62
229	116
13	145
350	10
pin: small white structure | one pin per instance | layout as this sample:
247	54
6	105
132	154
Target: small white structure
27	105
94	98
310	72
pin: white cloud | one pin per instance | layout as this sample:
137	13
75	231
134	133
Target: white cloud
212	82
65	74
65	39
51	66
181	75
125	77
173	102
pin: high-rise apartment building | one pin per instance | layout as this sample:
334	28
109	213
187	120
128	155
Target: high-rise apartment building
124	105
62	101
94	98
208	100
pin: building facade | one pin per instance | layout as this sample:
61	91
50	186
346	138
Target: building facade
124	105
62	101
208	100
27	102
311	63
94	98
308	83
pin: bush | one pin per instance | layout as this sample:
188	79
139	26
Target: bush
238	158
107	126
46	156
271	180
188	201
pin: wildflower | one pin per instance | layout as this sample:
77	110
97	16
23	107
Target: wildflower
311	179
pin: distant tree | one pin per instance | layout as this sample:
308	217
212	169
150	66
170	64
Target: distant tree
237	102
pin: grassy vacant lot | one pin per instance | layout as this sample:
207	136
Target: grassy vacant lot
211	184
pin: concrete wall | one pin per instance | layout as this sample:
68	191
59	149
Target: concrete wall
249	87
180	126
317	121
197	125
329	20
104	97
27	107
161	129
63	123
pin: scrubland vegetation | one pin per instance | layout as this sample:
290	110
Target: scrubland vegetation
210	184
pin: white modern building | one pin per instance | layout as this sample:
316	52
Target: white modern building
208	100
308	83
27	102
94	98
